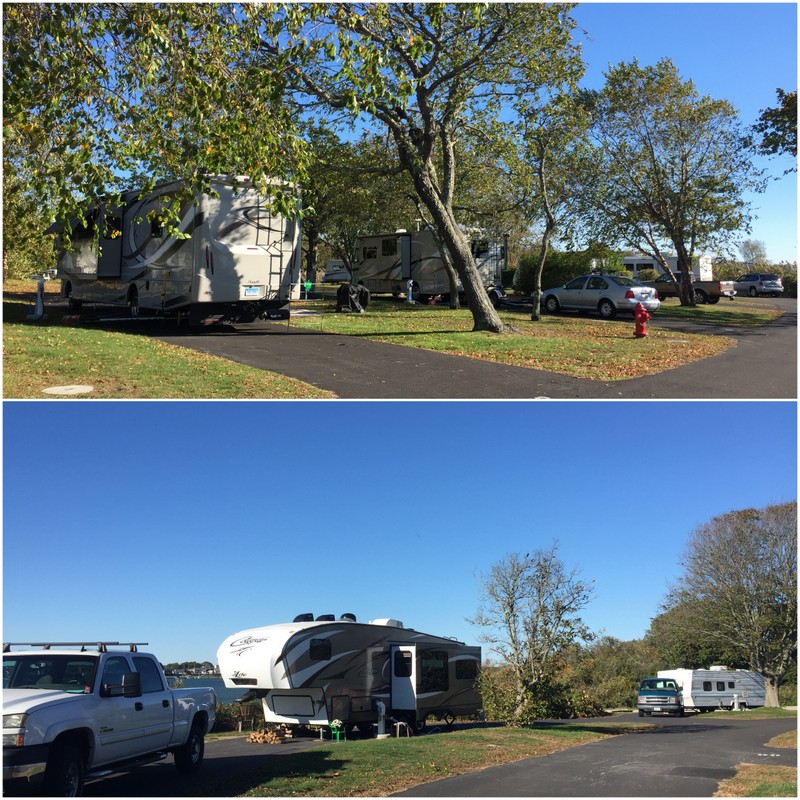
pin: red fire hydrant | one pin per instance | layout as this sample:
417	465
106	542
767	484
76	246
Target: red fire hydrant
641	316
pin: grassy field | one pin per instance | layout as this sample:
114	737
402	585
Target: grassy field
125	366
579	346
374	768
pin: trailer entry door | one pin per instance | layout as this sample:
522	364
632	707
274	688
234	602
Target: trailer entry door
404	677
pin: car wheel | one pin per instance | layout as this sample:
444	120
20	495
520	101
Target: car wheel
699	296
551	304
607	309
65	772
753	292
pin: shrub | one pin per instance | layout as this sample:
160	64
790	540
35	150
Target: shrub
562	267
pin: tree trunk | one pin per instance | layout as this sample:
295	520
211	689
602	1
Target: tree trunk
685	268
771	693
536	311
311	255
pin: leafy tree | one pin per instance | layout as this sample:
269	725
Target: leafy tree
530	605
739	588
777	128
427	73
668	169
754	252
101	95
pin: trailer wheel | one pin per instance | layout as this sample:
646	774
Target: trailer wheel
133	301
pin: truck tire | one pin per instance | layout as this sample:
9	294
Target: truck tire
700	296
189	757
66	771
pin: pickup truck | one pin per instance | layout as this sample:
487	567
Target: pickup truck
72	713
659	696
704	291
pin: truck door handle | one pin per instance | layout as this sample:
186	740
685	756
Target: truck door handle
165	703
139	706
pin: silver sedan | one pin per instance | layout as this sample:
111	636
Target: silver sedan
607	294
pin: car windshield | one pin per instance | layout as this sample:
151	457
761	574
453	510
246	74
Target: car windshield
658	684
62	671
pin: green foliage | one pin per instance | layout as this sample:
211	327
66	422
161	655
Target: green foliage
777	127
560	267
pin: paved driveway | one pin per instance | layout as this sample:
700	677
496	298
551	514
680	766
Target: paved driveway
762	365
685	757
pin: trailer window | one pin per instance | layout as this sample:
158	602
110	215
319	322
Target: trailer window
720	686
389	247
731	685
320	650
403	664
433	671
706	686
466	670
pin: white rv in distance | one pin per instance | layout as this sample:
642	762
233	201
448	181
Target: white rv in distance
701	265
386	262
238	263
336	272
718	687
313	671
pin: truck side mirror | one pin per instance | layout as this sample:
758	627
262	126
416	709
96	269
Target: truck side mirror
131	686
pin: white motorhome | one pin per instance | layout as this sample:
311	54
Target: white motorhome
718	687
386	262
701	265
336	272
313	671
238	261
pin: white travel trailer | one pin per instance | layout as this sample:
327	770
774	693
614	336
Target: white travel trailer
386	262
336	272
238	262
701	265
313	671
718	687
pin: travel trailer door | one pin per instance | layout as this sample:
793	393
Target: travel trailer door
404	677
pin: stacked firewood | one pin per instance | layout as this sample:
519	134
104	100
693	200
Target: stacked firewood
266	737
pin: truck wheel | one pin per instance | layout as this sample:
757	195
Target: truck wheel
699	296
189	757
65	772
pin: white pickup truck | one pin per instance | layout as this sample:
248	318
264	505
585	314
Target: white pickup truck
75	710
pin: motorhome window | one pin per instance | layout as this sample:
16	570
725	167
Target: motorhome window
720	686
151	679
389	247
731	685
320	650
402	664
432	671
288	234
466	670
706	686
370	252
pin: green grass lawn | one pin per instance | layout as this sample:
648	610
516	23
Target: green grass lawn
120	365
574	345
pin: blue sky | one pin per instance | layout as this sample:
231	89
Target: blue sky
180	523
741	52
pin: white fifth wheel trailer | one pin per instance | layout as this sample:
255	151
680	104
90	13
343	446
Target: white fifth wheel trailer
313	671
238	261
718	687
386	262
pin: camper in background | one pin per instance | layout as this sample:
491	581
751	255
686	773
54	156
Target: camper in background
238	262
385	263
718	687
313	671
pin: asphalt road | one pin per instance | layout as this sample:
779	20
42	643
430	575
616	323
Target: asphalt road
679	758
685	757
762	365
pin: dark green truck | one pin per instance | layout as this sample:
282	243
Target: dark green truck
659	696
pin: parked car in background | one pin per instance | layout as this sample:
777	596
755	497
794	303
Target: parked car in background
606	294
756	283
